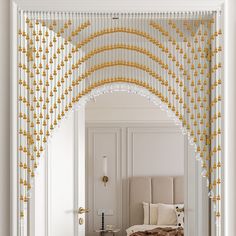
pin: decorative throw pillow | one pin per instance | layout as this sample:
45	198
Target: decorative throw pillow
166	214
150	213
179	210
153	213
146	213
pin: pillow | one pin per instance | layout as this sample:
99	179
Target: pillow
166	214
146	213
153	213
179	210
150	213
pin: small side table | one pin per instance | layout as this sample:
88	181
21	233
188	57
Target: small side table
106	231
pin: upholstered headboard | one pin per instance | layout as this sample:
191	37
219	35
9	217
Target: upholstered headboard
169	190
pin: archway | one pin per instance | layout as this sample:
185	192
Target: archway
157	128
53	77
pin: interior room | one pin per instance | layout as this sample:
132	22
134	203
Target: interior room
132	135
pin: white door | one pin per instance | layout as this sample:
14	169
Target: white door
80	150
59	202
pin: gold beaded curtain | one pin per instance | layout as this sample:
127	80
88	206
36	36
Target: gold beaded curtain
63	56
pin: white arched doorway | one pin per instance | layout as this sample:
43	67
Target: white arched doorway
73	128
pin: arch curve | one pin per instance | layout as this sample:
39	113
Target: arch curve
180	85
129	86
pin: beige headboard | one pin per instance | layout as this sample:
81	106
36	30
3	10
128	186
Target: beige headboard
169	190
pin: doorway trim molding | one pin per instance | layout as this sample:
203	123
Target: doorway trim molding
71	5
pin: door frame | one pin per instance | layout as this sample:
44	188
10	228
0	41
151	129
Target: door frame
90	6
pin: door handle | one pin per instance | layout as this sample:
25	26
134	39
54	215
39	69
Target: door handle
83	210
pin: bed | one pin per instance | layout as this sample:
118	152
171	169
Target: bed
161	189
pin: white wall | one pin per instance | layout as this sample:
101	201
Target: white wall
4	118
123	107
230	117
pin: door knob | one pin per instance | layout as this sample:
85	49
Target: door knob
83	210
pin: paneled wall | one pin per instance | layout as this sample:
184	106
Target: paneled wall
104	141
132	150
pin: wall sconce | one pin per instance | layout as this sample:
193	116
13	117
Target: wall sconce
105	177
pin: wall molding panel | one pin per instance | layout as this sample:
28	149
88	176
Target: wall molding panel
95	187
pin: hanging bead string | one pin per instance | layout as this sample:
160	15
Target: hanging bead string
218	128
65	55
216	125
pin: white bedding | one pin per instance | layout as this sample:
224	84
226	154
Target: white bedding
136	228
